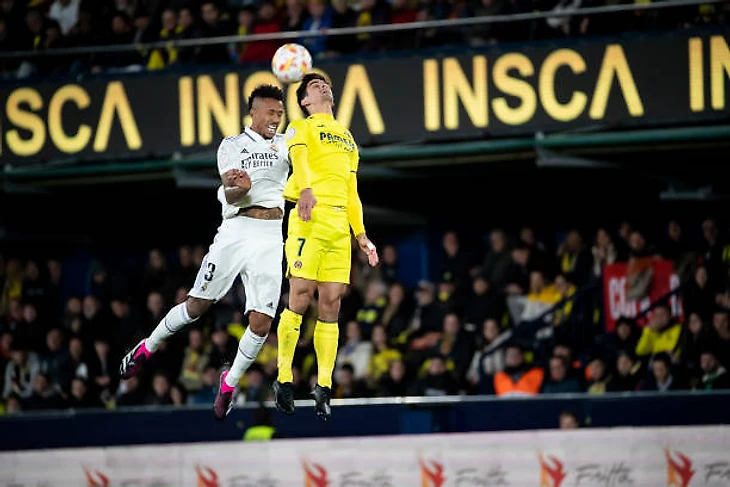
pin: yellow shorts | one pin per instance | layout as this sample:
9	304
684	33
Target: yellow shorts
320	249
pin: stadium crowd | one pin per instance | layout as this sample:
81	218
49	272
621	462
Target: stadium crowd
456	334
42	25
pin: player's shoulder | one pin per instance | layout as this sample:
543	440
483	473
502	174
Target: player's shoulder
232	140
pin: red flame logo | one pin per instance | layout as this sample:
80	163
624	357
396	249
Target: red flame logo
679	469
206	477
552	471
96	478
432	474
315	475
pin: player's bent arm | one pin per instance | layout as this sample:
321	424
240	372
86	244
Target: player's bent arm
232	191
299	156
354	208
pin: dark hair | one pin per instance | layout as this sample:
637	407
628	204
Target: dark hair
348	367
663	357
265	91
302	89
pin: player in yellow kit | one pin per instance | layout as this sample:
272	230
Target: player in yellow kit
323	183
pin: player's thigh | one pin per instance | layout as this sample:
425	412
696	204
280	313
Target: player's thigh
303	250
336	262
262	276
219	269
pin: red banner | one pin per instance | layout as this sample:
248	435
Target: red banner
617	304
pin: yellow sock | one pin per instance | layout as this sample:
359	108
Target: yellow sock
288	336
326	336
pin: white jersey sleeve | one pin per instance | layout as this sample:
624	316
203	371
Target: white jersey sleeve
226	161
266	162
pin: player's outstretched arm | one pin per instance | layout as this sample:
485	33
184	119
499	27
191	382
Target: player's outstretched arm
236	185
355	217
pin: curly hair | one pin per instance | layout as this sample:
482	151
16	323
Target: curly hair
265	91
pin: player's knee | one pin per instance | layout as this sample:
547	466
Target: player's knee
300	298
260	323
197	307
329	306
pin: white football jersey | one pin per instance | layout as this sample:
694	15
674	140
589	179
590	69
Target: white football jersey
267	163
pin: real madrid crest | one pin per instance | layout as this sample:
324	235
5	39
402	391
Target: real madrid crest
274	148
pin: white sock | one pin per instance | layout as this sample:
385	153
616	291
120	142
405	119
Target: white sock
248	348
174	321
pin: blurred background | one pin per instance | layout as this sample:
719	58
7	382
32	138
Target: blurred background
544	180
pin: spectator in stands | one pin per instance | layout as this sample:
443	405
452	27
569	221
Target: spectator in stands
130	393
428	315
676	249
517	378
103	371
372	309
622	340
695	338
81	397
55	361
212	26
456	262
320	19
44	395
541	298
195	360
295	14
257	388
20	373
13	405
517	279
698	296
598	377
661	377
559	381
573	259
721	339
394	383
482	304
342	16
178	395
206	389
488	359
625	379
34	287
603	252
356	351
453	345
715	375
156	275
266	23
389	265
568	421
661	334
382	355
498	261
397	313
160	395
347	385
438	381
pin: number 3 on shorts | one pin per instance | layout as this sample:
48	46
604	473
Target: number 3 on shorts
301	246
209	275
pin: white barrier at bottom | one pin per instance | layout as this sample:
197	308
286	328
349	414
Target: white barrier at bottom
651	457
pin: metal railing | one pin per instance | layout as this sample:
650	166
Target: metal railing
375	29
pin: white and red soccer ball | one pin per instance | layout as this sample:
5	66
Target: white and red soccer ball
291	62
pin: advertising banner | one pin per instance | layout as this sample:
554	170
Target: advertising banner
618	305
656	457
505	90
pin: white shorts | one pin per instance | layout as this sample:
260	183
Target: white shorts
250	248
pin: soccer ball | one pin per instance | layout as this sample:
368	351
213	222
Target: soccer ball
291	62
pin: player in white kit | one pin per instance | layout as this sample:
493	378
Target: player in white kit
253	167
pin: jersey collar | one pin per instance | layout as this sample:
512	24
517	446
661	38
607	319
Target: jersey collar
322	116
254	135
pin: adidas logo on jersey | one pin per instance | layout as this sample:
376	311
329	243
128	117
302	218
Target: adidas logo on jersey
244	151
270	305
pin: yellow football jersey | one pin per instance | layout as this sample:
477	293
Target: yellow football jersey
331	156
